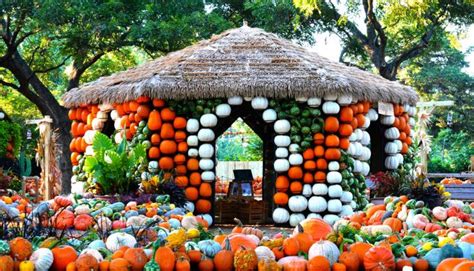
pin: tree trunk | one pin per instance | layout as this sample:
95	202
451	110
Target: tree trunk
48	105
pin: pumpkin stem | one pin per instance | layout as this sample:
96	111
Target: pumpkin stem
300	228
227	244
302	254
239	223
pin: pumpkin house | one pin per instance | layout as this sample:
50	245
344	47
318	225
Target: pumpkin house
325	126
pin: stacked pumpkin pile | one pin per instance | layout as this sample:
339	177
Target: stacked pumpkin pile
85	120
325	179
399	134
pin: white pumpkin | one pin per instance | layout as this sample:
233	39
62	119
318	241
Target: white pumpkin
320	189
357	168
358	149
264	253
387	120
301	99
352	150
269	115
400	158
223	110
353	205
295	219
296	159
392	133
281	152
294	148
366	124
372	115
114	114
207	218
391	162
411	122
208	176
365	154
120	239
206	164
344	99
280	215
335	191
334	177
346	211
333	165
297	203
82	209
235	100
324	248
359	133
353	137
89	151
282	141
259	103
208	120
365	169
282	126
118	124
42	258
399	145
153	166
206	151
192	126
314	102
331	219
334	205
281	165
365	140
346	197
317	204
193	152
248	98
97	124
189	222
94	253
314	215
331	108
118	137
307	190
332	96
391	148
206	135
192	141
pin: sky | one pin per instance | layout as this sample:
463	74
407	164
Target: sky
329	45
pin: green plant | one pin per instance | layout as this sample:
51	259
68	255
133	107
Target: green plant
450	152
9	132
422	189
114	168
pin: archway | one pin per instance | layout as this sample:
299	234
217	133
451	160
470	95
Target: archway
253	118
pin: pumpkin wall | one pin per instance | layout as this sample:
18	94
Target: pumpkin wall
321	147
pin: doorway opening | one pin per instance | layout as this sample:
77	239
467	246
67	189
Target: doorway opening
239	173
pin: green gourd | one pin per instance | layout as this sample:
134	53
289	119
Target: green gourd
152	265
4	247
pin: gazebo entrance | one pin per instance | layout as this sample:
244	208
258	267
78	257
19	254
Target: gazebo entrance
244	162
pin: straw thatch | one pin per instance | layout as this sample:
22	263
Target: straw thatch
244	61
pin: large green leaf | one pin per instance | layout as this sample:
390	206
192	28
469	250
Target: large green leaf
102	143
90	164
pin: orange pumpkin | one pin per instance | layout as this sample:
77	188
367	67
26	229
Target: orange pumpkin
203	206
360	249
154	121
20	249
168	147
295	173
154	153
158	103
331	124
167	131
318	263
63	220
119	264
345	130
291	246
344	143
62	256
143	111
465	266
421	265
305	240
320	176
195	178
165	258
332	141
319	151
394	223
379	258
182	147
310	165
332	154
224	259
193	164
350	260
308	154
318	138
179	123
316	227
449	264
168	115
346	114
205	190
280	198
296	187
282	183
166	163
321	164
402	263
136	257
85	262
191	193
308	177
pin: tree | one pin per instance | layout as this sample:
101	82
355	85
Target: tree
44	40
393	31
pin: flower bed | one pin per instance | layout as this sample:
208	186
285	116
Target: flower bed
70	233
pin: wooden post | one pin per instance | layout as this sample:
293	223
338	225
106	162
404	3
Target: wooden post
46	123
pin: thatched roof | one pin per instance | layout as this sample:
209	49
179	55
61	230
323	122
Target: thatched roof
243	61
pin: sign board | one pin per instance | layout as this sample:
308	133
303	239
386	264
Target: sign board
385	109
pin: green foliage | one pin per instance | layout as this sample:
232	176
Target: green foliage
10	132
25	164
231	148
451	152
111	169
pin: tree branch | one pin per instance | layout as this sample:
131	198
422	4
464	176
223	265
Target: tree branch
8	84
416	49
52	68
